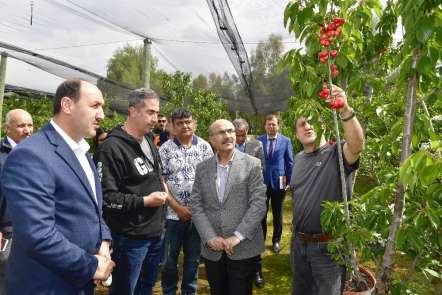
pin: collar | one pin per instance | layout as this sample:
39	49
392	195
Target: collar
230	161
82	145
178	143
11	142
276	136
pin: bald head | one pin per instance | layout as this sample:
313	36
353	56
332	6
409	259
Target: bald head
18	125
219	123
222	135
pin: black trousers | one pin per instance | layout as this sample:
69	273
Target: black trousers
276	199
230	277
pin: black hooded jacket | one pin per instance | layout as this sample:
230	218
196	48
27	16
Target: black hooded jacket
127	176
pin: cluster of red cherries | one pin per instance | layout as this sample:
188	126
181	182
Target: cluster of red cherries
327	36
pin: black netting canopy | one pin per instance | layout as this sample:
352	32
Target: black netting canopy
51	40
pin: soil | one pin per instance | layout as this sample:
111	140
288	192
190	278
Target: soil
364	285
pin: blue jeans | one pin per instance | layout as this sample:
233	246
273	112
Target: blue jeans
137	264
181	234
314	270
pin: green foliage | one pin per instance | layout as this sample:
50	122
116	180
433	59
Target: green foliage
375	72
270	81
40	109
127	65
206	107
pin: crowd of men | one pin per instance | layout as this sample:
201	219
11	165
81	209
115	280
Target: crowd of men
69	222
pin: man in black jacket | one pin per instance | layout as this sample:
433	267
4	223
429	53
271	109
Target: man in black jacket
134	196
18	126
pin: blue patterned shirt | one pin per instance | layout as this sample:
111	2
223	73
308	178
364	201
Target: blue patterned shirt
179	164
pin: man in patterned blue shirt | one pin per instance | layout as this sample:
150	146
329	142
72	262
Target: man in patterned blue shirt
180	157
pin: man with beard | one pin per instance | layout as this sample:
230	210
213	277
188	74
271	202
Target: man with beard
160	133
61	243
316	178
134	196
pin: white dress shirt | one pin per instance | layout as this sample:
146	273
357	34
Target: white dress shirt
11	142
80	149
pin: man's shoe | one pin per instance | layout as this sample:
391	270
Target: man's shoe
276	247
259	280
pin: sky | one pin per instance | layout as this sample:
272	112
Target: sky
86	33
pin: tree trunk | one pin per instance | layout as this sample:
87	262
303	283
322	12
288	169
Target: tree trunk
384	273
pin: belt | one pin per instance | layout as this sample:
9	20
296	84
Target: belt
313	237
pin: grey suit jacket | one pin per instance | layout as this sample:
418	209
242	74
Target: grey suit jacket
254	148
242	209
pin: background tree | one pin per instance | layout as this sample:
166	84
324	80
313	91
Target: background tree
205	105
126	65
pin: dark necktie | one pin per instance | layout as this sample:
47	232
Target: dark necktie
272	142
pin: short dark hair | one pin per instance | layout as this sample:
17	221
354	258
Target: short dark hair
70	88
271	117
99	131
136	97
180	114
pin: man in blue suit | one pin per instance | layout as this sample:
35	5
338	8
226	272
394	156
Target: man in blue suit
61	244
278	155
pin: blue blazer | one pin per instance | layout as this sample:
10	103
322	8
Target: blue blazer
58	225
280	164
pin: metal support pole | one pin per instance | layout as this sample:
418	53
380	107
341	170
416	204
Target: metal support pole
4	57
147	63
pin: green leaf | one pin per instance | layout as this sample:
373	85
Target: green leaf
430	173
434	219
425	65
433	53
424	29
432	273
406	174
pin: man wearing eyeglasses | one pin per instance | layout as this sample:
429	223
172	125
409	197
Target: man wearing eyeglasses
227	205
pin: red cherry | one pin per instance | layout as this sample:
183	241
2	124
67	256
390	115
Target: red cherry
325	93
330	34
337	104
333	53
331	27
324	42
323	54
335	73
339	21
338	31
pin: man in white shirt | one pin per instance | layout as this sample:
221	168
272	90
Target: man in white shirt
18	126
61	243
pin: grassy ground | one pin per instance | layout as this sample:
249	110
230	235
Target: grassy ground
276	267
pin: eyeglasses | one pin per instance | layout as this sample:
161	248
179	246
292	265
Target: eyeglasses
224	132
162	121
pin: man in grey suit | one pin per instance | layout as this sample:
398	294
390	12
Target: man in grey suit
253	148
228	204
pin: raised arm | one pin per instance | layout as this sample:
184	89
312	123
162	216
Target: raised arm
353	133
